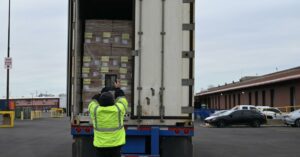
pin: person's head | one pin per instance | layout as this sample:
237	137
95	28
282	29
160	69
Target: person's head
106	99
105	89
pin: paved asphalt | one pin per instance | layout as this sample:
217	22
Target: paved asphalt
46	137
50	137
246	142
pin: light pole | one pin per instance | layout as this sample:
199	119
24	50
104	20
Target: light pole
8	54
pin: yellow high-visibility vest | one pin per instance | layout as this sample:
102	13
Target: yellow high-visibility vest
108	123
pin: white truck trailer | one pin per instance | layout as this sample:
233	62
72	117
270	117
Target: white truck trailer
149	45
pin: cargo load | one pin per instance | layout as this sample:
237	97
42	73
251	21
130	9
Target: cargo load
149	46
106	57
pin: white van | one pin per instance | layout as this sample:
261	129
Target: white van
271	112
244	107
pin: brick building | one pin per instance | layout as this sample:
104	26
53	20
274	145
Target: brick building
279	89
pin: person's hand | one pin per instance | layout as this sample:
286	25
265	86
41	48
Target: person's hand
117	84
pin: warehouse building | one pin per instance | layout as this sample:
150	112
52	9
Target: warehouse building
279	89
37	103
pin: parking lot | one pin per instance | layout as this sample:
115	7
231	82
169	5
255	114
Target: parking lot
51	138
246	142
46	137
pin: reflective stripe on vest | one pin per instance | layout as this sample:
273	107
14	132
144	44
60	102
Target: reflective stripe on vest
122	103
108	129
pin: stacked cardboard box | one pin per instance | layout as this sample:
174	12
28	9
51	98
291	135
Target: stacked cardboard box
107	52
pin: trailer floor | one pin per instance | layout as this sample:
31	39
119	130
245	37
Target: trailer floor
45	137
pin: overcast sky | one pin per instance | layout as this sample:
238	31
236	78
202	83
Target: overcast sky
234	38
38	46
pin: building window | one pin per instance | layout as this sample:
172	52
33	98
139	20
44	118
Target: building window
292	98
250	98
263	98
208	101
218	101
239	99
225	101
229	106
256	98
234	101
272	97
212	102
215	101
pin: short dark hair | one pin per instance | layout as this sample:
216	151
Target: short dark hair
106	99
105	89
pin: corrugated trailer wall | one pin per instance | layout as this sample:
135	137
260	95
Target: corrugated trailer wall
164	31
155	63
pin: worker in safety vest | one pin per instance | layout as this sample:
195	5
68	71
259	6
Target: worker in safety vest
107	115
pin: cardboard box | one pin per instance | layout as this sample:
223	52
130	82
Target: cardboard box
107	50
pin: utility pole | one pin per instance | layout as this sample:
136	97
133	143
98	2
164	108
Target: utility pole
8	54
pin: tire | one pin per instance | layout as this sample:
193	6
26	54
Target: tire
221	124
256	123
297	123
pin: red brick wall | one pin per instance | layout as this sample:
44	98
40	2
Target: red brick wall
281	95
222	106
268	97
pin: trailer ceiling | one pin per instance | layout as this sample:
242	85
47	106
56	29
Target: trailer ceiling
106	9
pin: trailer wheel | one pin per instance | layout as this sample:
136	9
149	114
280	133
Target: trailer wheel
297	123
256	123
221	124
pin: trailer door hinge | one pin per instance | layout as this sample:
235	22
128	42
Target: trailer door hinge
187	82
188	1
188	27
187	110
135	52
188	54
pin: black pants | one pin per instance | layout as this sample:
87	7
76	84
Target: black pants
109	152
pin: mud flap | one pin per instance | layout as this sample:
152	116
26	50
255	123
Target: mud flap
83	147
176	147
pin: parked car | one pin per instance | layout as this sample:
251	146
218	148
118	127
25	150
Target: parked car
293	118
237	117
244	107
218	112
271	112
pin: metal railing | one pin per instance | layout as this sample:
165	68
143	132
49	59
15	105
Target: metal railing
288	108
57	113
36	114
